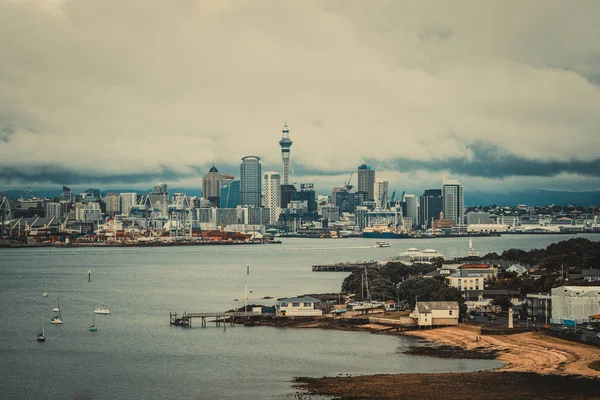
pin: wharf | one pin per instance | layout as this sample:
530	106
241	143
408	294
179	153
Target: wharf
185	319
344	267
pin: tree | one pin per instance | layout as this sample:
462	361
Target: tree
502	301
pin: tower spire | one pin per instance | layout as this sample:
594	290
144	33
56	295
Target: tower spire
285	144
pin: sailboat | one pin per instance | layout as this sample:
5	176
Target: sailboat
472	251
57	308
102	310
92	327
45	294
42	336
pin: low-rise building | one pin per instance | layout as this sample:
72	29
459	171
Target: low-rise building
300	306
436	313
574	303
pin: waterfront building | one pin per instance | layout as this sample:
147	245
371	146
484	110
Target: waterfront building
330	212
226	216
127	201
442	223
250	181
113	203
272	195
204	215
301	306
230	194
211	186
574	303
436	313
53	210
381	194
285	144
478	217
412	208
366	181
430	206
454	202
389	218
159	198
256	215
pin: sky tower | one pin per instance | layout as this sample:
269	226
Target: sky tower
285	144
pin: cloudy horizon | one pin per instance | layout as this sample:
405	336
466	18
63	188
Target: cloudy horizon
502	96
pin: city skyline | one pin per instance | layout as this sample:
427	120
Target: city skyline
426	89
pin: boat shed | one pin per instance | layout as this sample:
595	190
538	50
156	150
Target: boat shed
436	313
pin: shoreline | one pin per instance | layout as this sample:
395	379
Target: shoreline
105	245
535	366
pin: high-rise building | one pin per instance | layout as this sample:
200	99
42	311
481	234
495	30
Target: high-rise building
366	181
381	194
272	195
250	181
113	203
430	206
454	202
230	194
288	193
53	210
285	144
412	208
211	186
66	194
307	193
127	201
334	194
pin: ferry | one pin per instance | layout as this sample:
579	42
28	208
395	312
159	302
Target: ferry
383	232
382	243
414	255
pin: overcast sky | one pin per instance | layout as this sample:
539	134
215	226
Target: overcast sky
501	95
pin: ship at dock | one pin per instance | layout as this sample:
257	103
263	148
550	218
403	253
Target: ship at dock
384	232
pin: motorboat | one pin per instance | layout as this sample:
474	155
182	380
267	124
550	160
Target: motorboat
382	243
102	310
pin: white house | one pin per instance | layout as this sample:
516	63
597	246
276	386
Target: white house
301	306
436	313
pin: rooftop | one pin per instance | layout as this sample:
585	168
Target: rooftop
428	306
298	299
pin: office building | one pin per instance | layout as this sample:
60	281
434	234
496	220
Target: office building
430	206
334	192
381	194
250	181
230	194
288	193
412	208
366	181
113	203
285	144
307	193
66	194
272	195
53	210
159	198
454	202
479	217
127	201
211	187
348	201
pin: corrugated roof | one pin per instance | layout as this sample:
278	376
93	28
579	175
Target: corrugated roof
428	306
298	299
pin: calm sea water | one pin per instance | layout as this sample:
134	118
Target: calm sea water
136	354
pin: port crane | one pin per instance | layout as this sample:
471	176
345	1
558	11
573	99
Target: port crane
6	212
348	186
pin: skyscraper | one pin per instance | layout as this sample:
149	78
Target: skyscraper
285	144
366	181
412	208
127	201
250	181
272	195
430	206
113	203
381	194
160	198
230	195
454	202
211	186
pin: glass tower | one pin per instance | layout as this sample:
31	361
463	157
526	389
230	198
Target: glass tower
250	181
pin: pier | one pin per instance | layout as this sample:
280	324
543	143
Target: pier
344	267
185	319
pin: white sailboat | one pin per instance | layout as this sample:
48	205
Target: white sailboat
42	336
472	251
45	294
57	320
102	310
57	308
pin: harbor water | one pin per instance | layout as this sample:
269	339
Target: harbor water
136	353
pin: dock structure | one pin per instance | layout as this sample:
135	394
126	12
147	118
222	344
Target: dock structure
344	267
185	319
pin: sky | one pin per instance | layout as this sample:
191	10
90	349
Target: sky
500	95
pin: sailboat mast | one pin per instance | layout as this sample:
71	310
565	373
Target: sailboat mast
43	331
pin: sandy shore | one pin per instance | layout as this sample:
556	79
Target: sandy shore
524	352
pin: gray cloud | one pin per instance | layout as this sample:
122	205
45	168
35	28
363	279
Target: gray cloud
6	133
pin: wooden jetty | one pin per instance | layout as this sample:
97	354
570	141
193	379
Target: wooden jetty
344	267
185	318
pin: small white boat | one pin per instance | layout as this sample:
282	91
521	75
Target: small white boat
92	327
102	310
382	243
44	294
472	252
57	308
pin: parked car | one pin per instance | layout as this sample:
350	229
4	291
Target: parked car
590	327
